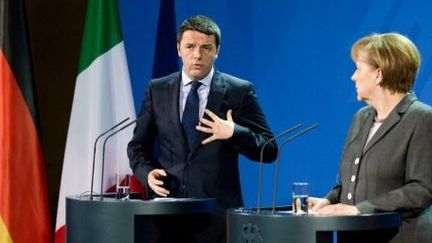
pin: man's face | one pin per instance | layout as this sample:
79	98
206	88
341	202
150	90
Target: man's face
198	52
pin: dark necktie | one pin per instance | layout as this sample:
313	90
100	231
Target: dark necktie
191	113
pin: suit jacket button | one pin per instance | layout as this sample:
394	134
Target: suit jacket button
356	161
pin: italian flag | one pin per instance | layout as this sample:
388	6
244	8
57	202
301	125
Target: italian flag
102	99
24	215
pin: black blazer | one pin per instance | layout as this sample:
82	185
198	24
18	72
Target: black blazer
209	170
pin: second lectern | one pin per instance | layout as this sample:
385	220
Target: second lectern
246	225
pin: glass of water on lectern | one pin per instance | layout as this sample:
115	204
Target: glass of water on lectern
123	181
300	195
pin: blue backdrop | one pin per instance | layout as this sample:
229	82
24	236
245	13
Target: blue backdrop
297	53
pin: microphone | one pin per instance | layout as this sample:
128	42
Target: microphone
275	183
94	153
262	158
103	152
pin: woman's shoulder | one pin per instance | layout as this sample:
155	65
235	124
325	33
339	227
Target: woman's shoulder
420	109
418	114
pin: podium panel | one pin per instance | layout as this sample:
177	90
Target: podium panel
112	220
246	225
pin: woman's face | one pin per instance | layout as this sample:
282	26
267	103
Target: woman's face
366	77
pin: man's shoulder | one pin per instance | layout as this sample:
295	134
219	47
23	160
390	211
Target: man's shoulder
165	79
232	80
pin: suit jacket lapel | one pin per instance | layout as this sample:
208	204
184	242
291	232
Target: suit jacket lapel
214	101
216	94
364	131
385	127
173	113
393	119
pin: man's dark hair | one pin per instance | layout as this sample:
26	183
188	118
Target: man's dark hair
201	24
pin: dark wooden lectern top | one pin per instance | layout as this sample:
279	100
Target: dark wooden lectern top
113	220
247	225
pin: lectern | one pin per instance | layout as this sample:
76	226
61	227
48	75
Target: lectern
247	225
113	220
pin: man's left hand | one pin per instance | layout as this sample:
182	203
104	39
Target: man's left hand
218	128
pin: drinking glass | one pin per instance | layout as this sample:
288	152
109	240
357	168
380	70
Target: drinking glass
123	181
300	195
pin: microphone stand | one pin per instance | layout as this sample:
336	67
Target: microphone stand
262	158
94	153
275	183
103	153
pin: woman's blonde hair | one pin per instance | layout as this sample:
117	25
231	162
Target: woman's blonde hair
396	56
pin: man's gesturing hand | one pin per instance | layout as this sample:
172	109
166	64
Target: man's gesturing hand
218	128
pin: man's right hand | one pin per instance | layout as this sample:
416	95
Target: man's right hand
155	182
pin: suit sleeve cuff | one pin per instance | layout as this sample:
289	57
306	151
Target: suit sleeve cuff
366	207
240	134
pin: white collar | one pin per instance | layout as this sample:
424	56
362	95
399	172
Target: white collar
205	81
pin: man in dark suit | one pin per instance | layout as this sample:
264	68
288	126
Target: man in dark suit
203	119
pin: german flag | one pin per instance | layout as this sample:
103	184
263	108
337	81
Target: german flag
24	213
